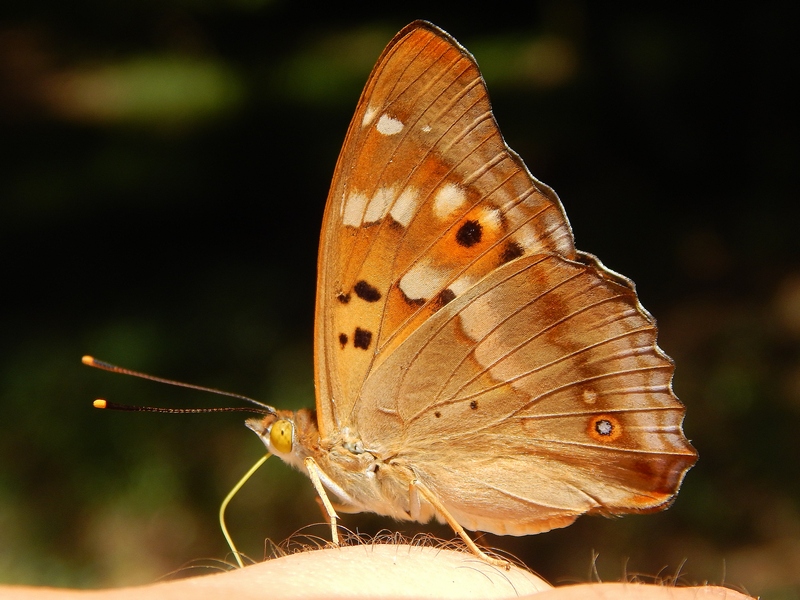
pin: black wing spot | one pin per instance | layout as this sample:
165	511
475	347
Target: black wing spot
474	405
343	339
343	298
446	296
362	338
367	292
510	252
469	234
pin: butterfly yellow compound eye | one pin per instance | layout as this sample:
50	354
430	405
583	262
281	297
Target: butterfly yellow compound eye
281	436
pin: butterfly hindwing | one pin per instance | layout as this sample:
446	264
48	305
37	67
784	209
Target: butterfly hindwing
544	370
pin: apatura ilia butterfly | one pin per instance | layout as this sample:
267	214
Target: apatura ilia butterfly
471	365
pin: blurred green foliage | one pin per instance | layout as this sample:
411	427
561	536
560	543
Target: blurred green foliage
162	182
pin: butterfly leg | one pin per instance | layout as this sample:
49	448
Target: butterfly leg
324	510
431	497
313	473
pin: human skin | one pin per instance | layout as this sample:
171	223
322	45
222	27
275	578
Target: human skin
375	571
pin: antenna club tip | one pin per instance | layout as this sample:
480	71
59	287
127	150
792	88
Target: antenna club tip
100	403
87	360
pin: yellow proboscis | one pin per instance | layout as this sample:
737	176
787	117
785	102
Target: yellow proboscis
227	500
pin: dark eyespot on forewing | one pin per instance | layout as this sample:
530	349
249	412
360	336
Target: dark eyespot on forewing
367	292
469	234
362	338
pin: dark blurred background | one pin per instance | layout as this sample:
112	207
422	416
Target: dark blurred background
163	176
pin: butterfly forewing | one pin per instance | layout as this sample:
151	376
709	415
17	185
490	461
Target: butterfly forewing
542	371
426	200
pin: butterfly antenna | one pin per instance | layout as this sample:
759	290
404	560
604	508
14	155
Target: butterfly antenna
90	361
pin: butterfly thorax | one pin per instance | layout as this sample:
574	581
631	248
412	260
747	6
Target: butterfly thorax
361	479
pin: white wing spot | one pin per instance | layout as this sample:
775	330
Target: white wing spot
491	218
448	199
478	319
389	126
379	205
604	427
422	282
462	284
526	237
369	115
354	209
405	207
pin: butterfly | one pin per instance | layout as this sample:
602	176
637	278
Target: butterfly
470	364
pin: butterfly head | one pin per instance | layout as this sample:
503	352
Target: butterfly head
284	433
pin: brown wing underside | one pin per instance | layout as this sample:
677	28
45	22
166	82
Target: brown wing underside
509	399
